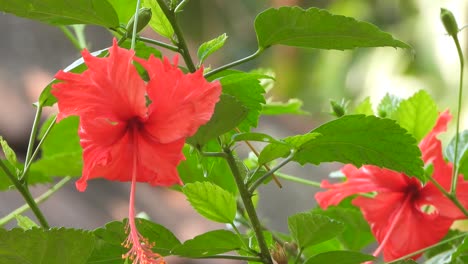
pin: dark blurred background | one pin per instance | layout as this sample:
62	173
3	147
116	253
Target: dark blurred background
31	53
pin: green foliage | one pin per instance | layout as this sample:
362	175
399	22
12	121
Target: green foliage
388	106
207	48
228	113
211	201
417	114
209	244
124	9
254	136
41	246
59	12
319	29
291	107
356	234
159	21
354	139
365	107
196	168
61	150
10	154
462	157
342	257
309	229
246	88
25	222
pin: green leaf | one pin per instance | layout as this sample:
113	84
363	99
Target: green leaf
365	107
254	136
342	257
9	152
211	201
462	157
356	234
61	150
284	148
405	261
316	28
388	106
25	222
196	168
159	21
124	9
209	244
58	12
291	107
417	114
39	246
109	249
207	48
309	229
246	88
228	113
359	140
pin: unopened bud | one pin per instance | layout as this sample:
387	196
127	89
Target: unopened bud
279	254
449	22
338	108
144	17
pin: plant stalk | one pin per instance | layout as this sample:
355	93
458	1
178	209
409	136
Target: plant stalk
234	63
32	139
26	195
249	208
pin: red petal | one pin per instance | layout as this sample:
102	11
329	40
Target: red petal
363	180
180	103
413	230
110	88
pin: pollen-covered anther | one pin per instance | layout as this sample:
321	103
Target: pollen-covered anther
140	250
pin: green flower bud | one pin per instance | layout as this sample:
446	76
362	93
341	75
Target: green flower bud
449	22
339	109
144	17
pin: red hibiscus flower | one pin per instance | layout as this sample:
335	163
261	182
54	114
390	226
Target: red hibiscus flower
123	137
405	215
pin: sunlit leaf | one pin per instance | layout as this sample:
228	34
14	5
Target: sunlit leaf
417	114
291	107
462	157
207	48
159	21
211	201
319	29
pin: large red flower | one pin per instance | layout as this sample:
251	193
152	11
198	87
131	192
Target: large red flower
405	215
131	130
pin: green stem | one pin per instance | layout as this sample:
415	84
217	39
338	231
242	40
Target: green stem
235	63
241	239
298	257
80	36
450	196
417	252
249	207
453	188
71	37
36	151
32	139
181	44
246	258
135	25
270	172
38	200
297	179
26	195
158	43
214	154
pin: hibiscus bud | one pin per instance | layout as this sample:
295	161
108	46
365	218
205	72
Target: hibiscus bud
449	22
144	17
279	254
339	109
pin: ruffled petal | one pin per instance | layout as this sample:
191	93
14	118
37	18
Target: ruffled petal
412	229
110	88
363	180
181	103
